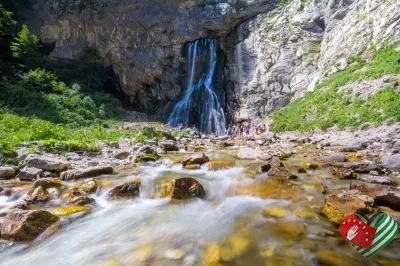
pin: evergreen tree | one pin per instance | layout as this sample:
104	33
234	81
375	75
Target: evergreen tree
5	21
90	69
25	47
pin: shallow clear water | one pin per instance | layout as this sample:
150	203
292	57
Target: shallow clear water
144	230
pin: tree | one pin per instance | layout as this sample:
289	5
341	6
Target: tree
25	47
5	20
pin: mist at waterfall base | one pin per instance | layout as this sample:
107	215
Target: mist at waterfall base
200	105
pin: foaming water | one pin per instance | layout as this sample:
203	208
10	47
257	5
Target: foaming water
116	228
200	104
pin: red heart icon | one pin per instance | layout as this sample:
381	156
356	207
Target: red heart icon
357	232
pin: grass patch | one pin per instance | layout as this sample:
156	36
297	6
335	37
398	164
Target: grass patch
382	62
324	109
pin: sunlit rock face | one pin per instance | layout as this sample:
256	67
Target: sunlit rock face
269	51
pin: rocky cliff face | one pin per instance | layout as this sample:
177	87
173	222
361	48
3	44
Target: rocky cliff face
270	51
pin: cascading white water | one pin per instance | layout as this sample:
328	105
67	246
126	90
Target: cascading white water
200	105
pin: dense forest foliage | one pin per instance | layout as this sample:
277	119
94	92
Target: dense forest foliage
61	98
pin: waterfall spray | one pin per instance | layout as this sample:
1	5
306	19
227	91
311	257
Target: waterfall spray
200	104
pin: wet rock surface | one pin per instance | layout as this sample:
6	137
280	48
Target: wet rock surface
127	190
89	172
46	163
185	188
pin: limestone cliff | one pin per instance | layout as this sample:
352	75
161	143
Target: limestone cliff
270	51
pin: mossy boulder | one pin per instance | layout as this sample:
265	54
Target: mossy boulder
74	196
307	214
145	154
342	203
184	188
25	225
275	212
199	158
47	183
38	194
7	172
219	165
68	210
127	190
88	186
281	173
343	173
192	166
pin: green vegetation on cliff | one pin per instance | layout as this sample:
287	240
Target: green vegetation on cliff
44	99
326	107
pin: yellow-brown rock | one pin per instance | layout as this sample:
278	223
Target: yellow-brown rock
275	212
334	258
219	165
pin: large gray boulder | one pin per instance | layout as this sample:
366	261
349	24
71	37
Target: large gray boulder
89	172
391	162
25	225
46	163
29	173
7	172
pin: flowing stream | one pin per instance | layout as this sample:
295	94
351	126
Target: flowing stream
227	226
200	105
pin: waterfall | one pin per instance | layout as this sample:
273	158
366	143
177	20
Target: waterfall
200	105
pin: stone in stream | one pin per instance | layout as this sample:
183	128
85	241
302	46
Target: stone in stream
199	158
333	158
145	154
281	173
7	172
47	183
219	165
88	186
25	225
391	162
192	166
275	161
343	173
275	212
344	148
383	195
248	153
74	196
185	188
361	167
68	210
168	145
342	203
46	163
126	190
29	173
89	172
38	194
383	180
286	230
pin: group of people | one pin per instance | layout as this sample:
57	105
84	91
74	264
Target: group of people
178	127
246	129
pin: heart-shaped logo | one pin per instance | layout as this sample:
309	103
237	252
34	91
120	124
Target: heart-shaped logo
369	234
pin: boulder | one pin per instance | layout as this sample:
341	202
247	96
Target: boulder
287	230
145	154
281	173
122	155
192	166
391	162
29	174
25	225
84	173
343	173
361	167
72	156
74	196
275	161
168	145
344	148
219	165
342	203
248	153
383	195
127	190
38	194
275	212
7	172
199	158
46	183
383	180
46	163
88	186
332	158
267	136
185	188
